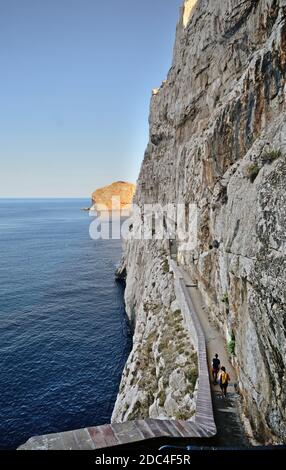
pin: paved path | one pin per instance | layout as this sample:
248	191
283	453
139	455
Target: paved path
130	433
214	340
226	411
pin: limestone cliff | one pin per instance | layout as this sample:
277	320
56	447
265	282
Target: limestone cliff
218	139
103	196
160	376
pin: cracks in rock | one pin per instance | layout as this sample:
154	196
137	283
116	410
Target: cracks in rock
275	249
252	258
203	69
233	29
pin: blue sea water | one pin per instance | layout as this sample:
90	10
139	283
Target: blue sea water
64	334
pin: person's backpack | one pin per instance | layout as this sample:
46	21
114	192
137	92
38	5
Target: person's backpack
224	378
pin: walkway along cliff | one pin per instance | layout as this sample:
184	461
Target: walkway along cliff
146	430
217	139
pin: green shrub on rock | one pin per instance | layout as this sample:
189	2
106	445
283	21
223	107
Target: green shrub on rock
270	155
192	376
252	171
231	346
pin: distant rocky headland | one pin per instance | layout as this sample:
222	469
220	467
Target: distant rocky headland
102	198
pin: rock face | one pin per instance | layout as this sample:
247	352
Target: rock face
218	139
160	376
103	196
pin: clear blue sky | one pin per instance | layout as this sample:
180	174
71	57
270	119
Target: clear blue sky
76	80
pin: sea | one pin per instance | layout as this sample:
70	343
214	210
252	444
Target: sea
64	333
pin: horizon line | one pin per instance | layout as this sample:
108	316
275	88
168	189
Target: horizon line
45	197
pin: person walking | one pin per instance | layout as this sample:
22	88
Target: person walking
215	368
224	379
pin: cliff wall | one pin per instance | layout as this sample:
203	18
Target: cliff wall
218	139
159	379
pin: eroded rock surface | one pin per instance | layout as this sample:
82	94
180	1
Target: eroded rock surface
218	139
159	380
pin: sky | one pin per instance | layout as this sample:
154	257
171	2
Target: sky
75	88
